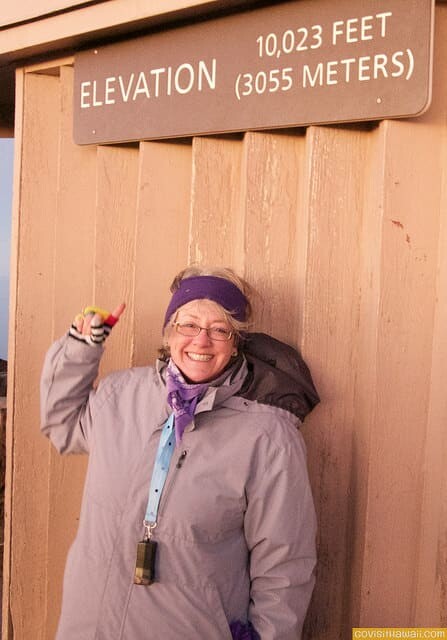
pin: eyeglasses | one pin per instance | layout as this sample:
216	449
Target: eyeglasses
191	330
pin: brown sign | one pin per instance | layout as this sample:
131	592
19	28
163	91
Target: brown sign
290	64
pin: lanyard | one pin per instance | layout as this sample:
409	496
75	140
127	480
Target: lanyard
165	450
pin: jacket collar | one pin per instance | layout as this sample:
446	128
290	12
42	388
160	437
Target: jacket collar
228	384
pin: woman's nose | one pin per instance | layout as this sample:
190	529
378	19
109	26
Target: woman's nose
202	338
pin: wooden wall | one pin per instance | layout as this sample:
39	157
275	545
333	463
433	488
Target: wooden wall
343	231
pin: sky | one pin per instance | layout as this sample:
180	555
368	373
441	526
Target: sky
6	166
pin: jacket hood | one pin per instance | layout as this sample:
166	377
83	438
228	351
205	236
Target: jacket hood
277	375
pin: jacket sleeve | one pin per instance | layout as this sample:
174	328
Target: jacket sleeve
66	393
280	529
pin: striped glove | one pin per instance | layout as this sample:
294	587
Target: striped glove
93	325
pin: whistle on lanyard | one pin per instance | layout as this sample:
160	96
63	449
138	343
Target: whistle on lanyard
145	563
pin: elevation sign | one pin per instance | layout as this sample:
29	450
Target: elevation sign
290	64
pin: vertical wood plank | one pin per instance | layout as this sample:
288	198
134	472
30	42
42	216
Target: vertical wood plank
76	217
274	175
162	236
117	180
430	595
404	343
429	588
73	289
31	337
216	223
7	592
364	406
335	161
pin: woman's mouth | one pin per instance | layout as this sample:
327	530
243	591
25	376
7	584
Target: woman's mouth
199	357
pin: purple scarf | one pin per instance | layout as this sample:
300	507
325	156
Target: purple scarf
240	631
182	398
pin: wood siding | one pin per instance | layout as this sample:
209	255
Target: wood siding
22	11
343	232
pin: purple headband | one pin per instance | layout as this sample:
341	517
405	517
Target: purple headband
213	288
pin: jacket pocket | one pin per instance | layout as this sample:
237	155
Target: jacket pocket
170	610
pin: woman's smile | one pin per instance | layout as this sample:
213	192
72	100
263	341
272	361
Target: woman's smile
201	357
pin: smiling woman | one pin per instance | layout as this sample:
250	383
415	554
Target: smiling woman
228	549
201	341
203	324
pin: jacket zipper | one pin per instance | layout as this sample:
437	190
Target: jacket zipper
167	490
181	459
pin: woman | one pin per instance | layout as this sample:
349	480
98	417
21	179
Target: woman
219	542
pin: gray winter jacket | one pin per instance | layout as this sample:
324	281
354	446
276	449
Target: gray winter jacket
236	525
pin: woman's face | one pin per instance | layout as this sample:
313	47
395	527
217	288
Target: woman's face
199	358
